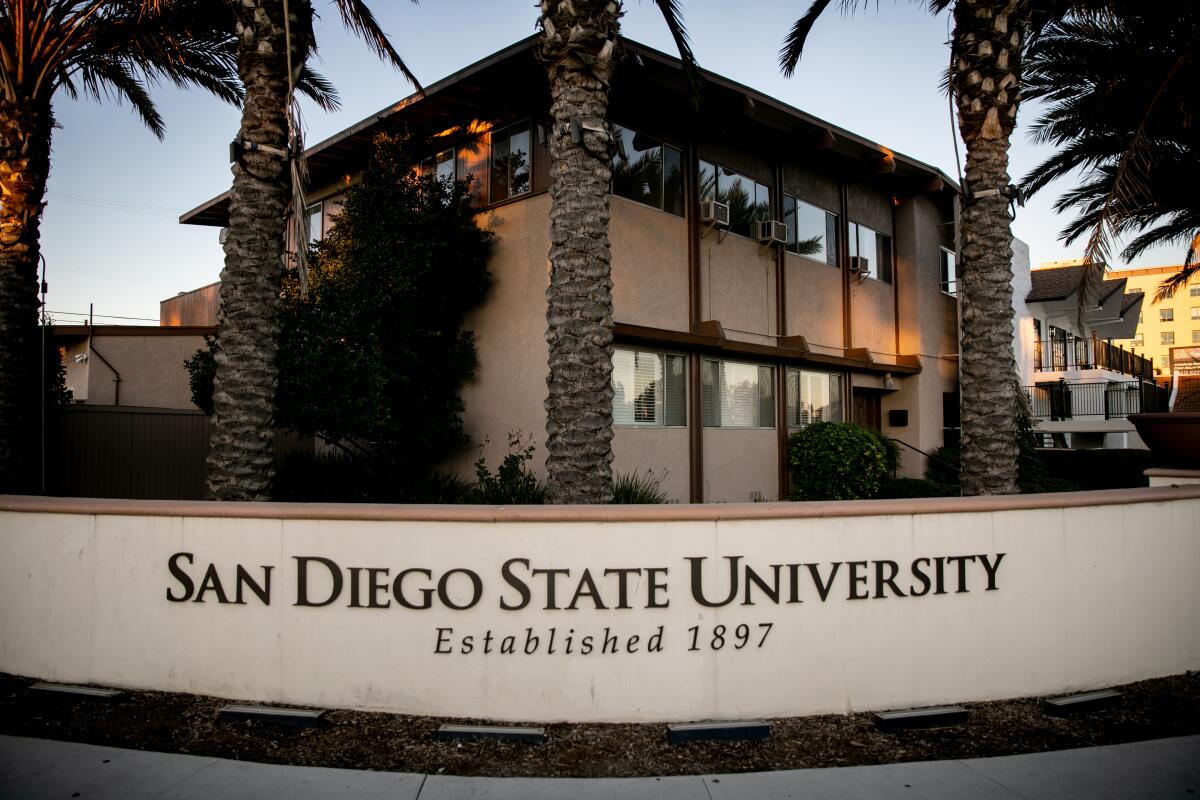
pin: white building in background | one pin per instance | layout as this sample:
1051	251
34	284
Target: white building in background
1082	386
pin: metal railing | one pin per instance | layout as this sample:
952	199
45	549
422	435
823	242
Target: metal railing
1075	352
1062	400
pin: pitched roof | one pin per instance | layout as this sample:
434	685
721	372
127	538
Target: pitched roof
1061	283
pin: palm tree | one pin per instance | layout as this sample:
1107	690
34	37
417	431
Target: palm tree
102	48
578	46
985	79
1122	104
275	38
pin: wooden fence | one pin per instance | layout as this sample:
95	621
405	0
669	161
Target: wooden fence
133	453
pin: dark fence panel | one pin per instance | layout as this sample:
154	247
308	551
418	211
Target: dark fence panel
135	453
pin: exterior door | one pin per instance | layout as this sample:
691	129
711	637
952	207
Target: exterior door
867	409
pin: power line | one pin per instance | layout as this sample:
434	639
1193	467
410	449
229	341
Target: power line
115	205
104	316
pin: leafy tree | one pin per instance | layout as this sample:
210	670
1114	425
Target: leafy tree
578	47
105	49
274	41
373	354
1122	105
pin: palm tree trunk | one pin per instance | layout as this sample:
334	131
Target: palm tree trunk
24	168
577	46
241	455
986	80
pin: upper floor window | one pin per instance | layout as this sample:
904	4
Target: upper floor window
811	231
813	397
1138	340
649	388
749	201
874	248
737	395
1195	312
1166	315
510	162
1195	337
1167	337
1194	291
440	166
648	171
315	221
949	274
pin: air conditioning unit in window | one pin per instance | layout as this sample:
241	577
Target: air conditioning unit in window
860	266
771	232
714	213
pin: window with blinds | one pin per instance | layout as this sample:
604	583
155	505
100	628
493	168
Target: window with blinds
649	388
737	395
813	397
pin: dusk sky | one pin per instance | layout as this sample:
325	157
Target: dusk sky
111	235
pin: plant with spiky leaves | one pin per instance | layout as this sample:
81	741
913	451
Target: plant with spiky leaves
1122	105
985	80
104	49
579	48
274	41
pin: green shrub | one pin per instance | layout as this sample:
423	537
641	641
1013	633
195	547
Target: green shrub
633	488
836	461
900	488
337	476
513	483
944	467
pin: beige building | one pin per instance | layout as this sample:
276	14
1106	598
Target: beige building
769	269
1173	323
135	366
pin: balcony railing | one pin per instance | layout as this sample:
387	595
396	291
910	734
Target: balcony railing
1062	400
1075	352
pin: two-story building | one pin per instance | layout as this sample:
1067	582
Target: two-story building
769	269
1082	385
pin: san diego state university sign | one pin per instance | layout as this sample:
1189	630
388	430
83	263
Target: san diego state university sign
522	584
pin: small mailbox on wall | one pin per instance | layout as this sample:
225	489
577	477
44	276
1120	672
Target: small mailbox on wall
898	418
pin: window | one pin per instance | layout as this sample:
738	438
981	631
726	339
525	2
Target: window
1195	312
737	395
748	200
811	231
649	388
510	162
1138	340
813	397
1166	315
1168	337
949	273
1195	337
315	219
441	166
649	172
1194	291
875	248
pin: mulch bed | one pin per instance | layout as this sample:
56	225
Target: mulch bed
181	723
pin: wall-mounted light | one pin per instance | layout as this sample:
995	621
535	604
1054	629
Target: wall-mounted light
888	383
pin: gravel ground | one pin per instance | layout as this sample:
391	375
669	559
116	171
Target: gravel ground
180	723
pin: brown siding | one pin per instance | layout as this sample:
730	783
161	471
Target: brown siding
197	307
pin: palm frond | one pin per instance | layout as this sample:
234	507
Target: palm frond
358	18
672	14
104	79
793	45
317	88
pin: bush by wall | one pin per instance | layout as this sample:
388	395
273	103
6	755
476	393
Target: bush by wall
836	461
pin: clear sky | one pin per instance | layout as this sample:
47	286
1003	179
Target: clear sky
111	235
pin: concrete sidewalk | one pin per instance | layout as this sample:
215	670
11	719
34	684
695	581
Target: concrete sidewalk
1163	768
